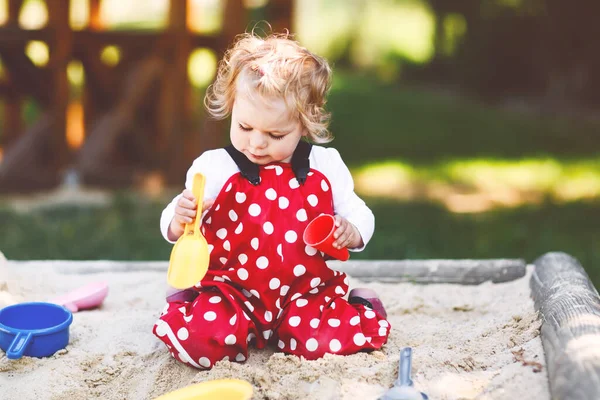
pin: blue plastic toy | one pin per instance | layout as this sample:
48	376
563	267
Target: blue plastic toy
34	329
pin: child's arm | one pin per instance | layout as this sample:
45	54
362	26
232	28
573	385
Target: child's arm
182	208
355	220
185	213
347	235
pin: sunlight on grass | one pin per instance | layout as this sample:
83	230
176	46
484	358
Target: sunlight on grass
389	180
313	18
455	28
38	52
373	30
480	185
34	14
405	28
202	67
490	175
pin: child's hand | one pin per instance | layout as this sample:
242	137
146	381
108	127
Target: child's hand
185	213
346	235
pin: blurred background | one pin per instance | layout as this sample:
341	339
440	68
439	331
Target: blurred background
471	127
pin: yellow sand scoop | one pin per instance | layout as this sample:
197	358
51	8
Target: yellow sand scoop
222	389
190	256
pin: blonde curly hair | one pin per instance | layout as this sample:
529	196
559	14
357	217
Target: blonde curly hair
275	66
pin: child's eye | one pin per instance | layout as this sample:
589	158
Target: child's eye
244	128
276	137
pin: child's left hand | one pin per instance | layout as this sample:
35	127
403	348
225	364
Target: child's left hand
346	234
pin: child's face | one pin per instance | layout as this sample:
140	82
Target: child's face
263	130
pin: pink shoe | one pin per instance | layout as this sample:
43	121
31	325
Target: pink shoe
368	298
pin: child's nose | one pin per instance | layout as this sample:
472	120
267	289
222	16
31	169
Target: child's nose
257	140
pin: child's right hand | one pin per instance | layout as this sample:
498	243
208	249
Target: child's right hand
185	213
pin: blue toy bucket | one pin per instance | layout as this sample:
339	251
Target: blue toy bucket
34	329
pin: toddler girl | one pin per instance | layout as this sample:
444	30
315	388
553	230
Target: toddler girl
264	285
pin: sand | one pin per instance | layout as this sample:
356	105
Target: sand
469	342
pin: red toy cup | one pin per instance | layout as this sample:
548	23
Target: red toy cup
319	235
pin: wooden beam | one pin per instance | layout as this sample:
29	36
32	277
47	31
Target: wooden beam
464	272
280	15
13	117
569	308
9	35
25	76
94	159
61	47
100	79
173	111
234	24
24	163
86	38
14	9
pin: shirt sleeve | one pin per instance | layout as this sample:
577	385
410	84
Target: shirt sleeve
346	202
215	179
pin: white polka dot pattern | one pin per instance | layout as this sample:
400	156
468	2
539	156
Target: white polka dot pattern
301	215
312	344
240	197
248	230
230	339
283	203
291	237
299	270
262	262
254	210
268	228
183	334
239	228
335	345
210	316
271	194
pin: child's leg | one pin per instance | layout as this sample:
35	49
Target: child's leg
368	298
326	323
208	329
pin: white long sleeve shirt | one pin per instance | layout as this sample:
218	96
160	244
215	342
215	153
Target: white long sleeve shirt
217	166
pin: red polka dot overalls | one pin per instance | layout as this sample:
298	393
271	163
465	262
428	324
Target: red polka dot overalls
264	285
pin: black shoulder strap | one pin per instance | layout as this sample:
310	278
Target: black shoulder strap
248	169
300	161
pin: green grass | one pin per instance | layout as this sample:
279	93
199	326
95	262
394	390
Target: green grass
375	124
128	230
372	122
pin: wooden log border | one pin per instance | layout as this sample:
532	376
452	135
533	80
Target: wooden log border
569	307
465	272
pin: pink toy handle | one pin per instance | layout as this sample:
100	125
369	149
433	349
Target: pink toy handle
85	297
